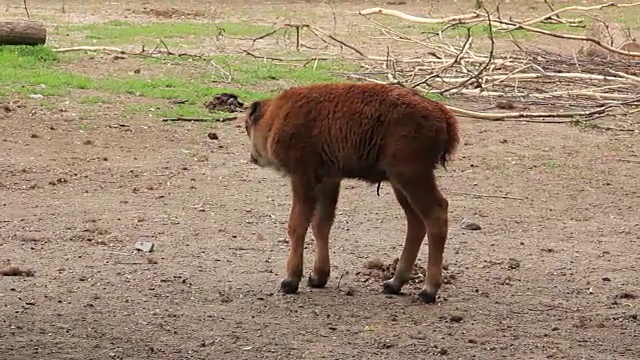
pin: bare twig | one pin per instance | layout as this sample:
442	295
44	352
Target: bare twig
90	48
340	281
339	41
26	9
196	119
333	14
487	195
484	67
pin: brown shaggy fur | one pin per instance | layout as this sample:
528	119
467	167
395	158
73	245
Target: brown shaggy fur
320	134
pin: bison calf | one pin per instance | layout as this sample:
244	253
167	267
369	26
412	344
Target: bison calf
320	134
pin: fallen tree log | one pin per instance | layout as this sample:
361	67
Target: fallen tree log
22	32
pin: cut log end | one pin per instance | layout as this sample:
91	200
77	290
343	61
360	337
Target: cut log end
22	32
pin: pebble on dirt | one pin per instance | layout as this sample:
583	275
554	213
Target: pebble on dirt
470	225
455	318
144	246
350	291
213	136
627	295
373	264
513	264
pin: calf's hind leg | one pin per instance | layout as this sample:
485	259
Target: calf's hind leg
416	231
302	206
422	192
326	200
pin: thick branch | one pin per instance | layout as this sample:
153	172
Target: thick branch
418	19
571	37
569	8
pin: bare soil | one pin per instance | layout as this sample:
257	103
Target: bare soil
553	273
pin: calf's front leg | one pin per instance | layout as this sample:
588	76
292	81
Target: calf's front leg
299	219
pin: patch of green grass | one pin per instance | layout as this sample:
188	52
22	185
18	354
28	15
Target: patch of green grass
501	167
119	31
253	71
551	165
171	88
249	71
31	69
188	110
248	77
37	70
435	97
84	124
27	55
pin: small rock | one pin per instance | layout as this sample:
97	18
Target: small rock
606	278
374	264
36	96
213	136
443	351
201	158
455	318
350	292
555	328
513	264
627	295
144	246
34	136
505	104
470	225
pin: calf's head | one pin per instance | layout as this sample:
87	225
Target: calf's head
258	131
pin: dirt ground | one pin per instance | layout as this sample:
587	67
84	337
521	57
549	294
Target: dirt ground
553	273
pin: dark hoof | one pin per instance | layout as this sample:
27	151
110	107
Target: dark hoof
388	287
317	282
288	286
427	297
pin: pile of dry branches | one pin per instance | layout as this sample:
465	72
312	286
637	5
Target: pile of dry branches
575	85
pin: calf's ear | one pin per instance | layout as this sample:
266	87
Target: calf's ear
254	113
